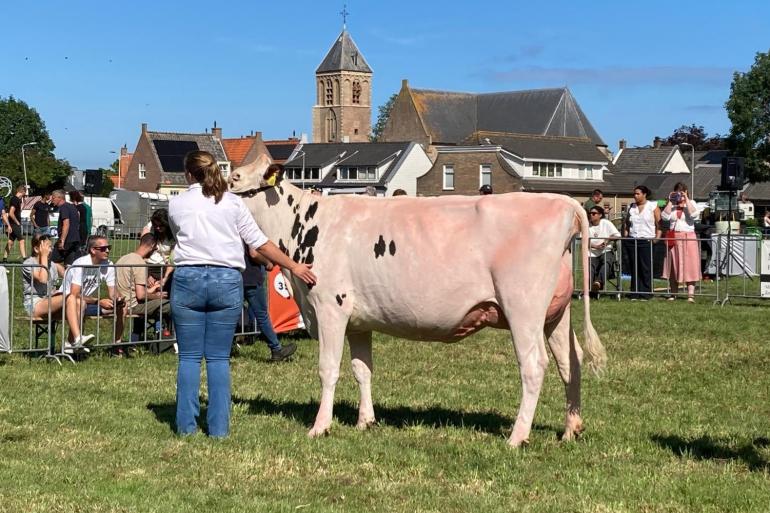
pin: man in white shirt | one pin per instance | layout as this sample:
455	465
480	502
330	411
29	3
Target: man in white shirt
81	290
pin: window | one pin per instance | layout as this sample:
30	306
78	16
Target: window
449	177
174	193
357	173
586	172
329	92
547	169
142	172
224	167
485	177
311	173
356	92
331	126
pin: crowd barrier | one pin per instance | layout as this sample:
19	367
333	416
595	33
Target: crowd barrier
731	266
46	334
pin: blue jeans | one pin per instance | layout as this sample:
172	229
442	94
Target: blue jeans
256	297
206	304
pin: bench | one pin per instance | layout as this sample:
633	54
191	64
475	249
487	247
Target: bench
42	328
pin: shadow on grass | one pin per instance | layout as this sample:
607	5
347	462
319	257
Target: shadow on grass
166	414
398	417
707	448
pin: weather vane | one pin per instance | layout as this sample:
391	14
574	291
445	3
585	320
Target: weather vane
344	12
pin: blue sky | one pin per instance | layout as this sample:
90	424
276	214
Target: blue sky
96	70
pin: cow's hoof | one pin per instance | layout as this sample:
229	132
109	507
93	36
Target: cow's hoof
363	425
572	429
317	432
518	443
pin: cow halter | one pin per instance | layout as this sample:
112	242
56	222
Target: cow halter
253	192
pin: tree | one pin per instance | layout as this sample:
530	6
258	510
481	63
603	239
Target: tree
383	115
749	111
21	124
107	184
697	136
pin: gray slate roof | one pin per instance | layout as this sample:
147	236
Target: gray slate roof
450	117
539	147
644	160
205	142
344	56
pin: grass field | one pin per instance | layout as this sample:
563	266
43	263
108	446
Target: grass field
679	422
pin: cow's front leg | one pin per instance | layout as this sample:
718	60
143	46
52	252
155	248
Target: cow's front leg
361	361
331	339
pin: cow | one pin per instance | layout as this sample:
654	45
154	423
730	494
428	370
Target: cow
432	269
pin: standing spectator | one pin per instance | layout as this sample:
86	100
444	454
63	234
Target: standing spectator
41	212
40	276
682	264
602	234
209	225
642	225
399	192
81	292
597	196
165	242
766	221
84	228
256	296
484	190
68	228
13	224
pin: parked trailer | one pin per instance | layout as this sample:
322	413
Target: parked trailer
135	209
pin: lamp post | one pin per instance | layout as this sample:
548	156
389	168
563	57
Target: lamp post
303	167
692	169
24	165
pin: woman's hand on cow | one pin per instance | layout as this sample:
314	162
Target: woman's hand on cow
303	272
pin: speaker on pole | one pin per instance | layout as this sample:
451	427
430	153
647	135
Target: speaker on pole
733	176
92	183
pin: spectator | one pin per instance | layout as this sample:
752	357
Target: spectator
161	257
81	289
766	220
400	192
597	196
68	227
315	191
642	224
256	297
682	264
371	190
41	212
485	189
40	276
13	224
141	299
84	228
602	234
209	224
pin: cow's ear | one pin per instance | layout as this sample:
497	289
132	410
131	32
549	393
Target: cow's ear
273	175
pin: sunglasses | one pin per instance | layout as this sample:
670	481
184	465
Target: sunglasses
103	248
596	213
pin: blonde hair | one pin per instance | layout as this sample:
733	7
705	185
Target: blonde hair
204	168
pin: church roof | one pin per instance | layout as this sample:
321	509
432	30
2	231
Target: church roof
344	56
450	117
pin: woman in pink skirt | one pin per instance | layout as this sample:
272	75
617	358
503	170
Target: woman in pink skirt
682	263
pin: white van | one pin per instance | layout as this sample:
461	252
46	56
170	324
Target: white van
103	213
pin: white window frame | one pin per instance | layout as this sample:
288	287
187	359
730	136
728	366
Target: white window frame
586	172
482	168
548	169
448	170
142	172
224	167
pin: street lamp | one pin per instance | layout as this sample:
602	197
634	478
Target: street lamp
24	165
692	169
303	166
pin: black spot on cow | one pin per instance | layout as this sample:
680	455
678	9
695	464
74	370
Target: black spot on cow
290	199
311	211
296	227
379	248
297	255
309	257
310	238
283	247
296	208
271	197
339	299
280	189
392	247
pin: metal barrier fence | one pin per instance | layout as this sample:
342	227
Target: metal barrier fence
48	332
729	267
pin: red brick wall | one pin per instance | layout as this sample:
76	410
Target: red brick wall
467	172
143	154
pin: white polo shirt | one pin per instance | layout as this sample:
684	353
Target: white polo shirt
209	233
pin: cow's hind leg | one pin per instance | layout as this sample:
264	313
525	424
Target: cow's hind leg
569	356
361	361
331	340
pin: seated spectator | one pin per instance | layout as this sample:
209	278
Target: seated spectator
602	234
165	244
141	299
40	276
256	296
81	288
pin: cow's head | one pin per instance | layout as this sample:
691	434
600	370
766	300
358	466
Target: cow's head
254	176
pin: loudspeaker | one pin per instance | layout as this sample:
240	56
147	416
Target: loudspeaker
732	174
92	181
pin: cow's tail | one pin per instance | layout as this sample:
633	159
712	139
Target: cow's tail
597	356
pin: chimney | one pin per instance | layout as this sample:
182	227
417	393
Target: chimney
657	143
257	135
123	150
622	144
404	84
144	128
216	132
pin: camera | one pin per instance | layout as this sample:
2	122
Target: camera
675	197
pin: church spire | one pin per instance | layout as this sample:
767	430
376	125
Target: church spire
344	55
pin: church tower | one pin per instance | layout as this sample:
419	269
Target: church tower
343	108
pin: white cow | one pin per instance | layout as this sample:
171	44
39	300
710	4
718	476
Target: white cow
431	269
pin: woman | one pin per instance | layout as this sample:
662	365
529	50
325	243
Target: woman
642	224
159	227
602	234
209	225
40	276
682	264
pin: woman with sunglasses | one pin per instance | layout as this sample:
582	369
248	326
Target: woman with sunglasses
602	234
210	226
